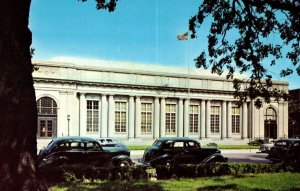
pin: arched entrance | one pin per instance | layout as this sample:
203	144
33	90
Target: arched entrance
47	118
271	123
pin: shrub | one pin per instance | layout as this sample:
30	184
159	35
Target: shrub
163	172
257	142
216	169
70	177
75	173
212	145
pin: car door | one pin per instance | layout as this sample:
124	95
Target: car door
57	154
181	154
279	150
95	154
193	152
76	152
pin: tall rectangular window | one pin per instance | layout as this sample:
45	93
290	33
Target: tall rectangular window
170	118
194	116
215	119
146	117
235	119
92	118
120	117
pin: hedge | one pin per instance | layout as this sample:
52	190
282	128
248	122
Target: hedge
75	173
216	169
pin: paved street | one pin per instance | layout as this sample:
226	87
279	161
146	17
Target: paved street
238	155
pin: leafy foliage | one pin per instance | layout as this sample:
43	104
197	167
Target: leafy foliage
254	24
216	169
103	4
257	142
212	145
76	173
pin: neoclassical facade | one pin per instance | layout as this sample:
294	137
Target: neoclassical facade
138	103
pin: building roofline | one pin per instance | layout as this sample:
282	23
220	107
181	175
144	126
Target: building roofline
135	68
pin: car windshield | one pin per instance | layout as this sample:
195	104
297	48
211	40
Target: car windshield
49	143
157	143
282	143
192	144
93	146
108	140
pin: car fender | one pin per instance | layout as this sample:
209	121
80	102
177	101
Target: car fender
116	159
216	157
159	159
51	159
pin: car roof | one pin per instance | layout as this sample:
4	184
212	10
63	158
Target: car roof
71	138
165	139
108	138
289	139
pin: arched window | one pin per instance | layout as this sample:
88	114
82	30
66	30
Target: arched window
46	106
270	114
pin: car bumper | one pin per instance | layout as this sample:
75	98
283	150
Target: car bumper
143	162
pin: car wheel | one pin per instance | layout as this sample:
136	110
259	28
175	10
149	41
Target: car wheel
124	163
164	163
215	161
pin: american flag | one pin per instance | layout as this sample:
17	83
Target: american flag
184	36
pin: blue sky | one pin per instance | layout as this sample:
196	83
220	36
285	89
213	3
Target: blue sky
138	31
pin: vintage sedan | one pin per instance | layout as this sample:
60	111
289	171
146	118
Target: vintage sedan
292	157
266	147
278	151
180	150
111	142
80	150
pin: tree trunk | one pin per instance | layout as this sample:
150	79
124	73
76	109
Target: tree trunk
18	118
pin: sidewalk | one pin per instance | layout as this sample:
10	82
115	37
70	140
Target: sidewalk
228	151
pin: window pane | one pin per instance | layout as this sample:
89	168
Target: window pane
46	106
235	120
92	118
171	118
120	116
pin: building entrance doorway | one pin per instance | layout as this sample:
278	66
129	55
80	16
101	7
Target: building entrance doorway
47	127
270	124
47	118
270	129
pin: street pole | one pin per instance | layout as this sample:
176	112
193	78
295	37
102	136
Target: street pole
294	122
68	118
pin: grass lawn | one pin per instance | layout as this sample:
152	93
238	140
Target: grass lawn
143	147
251	182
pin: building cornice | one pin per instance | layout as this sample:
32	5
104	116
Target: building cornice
148	87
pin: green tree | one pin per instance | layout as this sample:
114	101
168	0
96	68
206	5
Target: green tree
18	113
253	23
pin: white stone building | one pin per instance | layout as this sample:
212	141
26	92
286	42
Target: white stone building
138	103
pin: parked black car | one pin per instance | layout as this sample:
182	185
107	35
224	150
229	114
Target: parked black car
180	150
111	142
76	150
280	148
266	147
292	157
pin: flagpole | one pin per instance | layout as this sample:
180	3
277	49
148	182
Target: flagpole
185	36
156	32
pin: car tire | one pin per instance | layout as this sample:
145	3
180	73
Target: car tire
164	163
216	161
124	163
